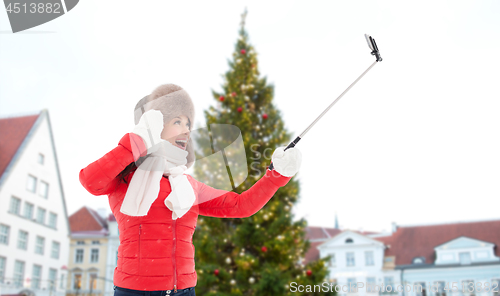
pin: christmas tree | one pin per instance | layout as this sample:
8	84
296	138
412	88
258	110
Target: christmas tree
259	255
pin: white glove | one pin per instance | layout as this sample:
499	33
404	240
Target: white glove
149	129
287	163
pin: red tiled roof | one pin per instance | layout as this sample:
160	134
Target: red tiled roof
13	131
86	219
410	242
317	236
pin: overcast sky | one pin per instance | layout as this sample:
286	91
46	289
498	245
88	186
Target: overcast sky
416	141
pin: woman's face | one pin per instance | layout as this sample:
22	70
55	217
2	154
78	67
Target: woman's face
177	131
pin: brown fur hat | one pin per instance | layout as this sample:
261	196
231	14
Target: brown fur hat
171	100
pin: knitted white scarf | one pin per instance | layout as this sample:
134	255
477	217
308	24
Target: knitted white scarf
145	184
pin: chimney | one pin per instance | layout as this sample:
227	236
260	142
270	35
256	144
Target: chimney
394	227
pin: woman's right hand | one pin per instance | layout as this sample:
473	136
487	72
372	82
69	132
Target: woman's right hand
149	129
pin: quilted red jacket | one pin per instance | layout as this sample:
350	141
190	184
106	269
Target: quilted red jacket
156	252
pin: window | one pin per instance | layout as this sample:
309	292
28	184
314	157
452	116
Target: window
351	285
18	274
94	255
44	189
15	205
495	287
2	269
28	210
389	284
418	260
468	287
80	242
40	216
464	257
349	241
22	240
370	285
332	260
36	277
41	158
77	281
53	220
349	259
96	242
78	255
61	285
92	281
419	288
4	234
369	258
439	289
55	250
40	245
52	279
31	184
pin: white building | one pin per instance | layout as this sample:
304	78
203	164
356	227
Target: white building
34	230
456	259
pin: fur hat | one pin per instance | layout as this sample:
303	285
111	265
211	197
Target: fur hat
172	101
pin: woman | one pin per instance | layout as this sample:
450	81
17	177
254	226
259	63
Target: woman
156	205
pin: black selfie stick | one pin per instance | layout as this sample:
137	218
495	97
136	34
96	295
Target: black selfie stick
376	53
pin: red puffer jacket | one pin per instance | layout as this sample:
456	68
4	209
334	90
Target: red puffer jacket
156	252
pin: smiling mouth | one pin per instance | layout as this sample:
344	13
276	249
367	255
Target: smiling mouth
181	143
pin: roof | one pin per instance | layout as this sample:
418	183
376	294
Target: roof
317	235
409	242
13	131
87	220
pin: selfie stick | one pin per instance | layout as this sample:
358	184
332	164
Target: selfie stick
376	53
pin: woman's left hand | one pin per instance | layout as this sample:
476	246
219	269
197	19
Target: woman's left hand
287	163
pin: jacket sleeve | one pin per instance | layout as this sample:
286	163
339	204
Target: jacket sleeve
224	204
99	177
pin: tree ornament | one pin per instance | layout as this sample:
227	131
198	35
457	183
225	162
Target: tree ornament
221	98
287	208
251	280
264	249
228	260
264	116
266	217
216	272
309	272
240	109
253	66
238	61
247	98
257	127
233	94
243	51
232	282
280	237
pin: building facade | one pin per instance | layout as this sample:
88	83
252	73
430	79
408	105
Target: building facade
452	259
92	255
34	230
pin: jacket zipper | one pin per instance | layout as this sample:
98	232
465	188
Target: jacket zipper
140	232
174	244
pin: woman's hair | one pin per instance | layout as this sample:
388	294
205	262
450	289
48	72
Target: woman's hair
171	100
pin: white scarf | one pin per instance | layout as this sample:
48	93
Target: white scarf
144	187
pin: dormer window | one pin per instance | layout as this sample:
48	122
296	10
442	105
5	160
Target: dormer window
418	260
349	241
464	257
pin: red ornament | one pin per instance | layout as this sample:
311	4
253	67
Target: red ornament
264	116
216	272
309	272
243	51
240	109
221	98
264	249
233	94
